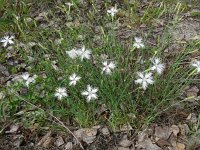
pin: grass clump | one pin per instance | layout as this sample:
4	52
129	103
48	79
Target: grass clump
76	75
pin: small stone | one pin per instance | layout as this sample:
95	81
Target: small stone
142	135
163	132
90	132
175	129
89	139
59	141
192	118
18	141
89	135
147	145
48	142
105	131
125	142
69	146
162	143
180	146
13	129
44	138
184	129
79	133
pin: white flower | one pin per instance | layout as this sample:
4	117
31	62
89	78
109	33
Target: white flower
7	40
60	93
197	65
90	93
73	79
69	4
72	53
26	77
138	42
84	53
108	67
144	79
112	11
157	65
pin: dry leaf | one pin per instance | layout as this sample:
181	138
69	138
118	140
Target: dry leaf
89	139
78	133
125	142
13	128
178	146
175	129
90	132
126	127
44	138
89	135
18	140
192	118
184	129
142	136
69	146
162	143
147	145
47	142
163	132
59	141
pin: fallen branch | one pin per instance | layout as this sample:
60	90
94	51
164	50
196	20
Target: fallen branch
59	122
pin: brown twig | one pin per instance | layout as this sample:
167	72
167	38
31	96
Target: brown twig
59	122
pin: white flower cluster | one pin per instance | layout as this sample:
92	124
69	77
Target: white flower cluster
146	78
86	53
90	92
82	53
